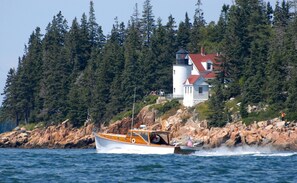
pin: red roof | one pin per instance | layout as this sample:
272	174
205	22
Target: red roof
199	58
193	78
209	75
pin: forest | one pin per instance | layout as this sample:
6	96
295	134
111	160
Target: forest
74	71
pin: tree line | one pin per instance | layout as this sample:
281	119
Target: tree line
77	72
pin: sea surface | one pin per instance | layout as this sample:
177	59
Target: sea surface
246	164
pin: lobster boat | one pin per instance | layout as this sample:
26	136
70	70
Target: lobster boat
139	141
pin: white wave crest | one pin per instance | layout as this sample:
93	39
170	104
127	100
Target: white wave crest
243	151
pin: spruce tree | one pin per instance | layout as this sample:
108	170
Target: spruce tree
147	22
196	36
9	104
258	36
277	64
115	47
55	84
183	33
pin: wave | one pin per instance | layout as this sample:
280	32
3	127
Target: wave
243	151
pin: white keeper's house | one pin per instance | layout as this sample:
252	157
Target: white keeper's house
191	74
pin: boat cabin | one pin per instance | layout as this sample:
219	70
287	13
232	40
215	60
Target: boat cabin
140	136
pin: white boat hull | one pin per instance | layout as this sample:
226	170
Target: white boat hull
104	145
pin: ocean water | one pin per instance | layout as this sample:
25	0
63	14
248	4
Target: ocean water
248	164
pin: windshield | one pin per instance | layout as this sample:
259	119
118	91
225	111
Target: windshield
159	138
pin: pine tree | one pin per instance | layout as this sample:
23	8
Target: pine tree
277	64
55	84
218	116
115	47
147	22
9	104
196	36
132	75
258	34
183	33
291	56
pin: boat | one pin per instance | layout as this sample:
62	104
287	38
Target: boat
140	141
189	150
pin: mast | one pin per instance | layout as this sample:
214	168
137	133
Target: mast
133	108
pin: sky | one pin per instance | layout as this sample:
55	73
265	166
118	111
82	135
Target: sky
19	18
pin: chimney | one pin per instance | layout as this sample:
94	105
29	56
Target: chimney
202	51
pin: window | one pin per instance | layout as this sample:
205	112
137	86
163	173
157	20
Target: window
144	135
173	71
173	90
190	89
208	66
200	90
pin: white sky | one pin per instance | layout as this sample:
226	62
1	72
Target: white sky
19	18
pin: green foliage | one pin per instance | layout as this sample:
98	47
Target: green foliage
291	116
32	126
261	116
150	99
203	110
232	105
163	108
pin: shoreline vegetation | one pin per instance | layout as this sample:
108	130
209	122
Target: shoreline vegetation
275	134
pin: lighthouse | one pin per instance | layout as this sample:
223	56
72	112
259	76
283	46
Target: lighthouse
181	71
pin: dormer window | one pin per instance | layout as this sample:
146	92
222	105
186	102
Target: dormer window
208	66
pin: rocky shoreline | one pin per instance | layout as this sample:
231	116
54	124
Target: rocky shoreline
54	136
272	133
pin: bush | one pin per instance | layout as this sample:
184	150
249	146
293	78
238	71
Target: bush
291	116
150	99
31	126
260	116
163	108
203	110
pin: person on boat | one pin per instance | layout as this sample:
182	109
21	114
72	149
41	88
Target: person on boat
190	142
156	138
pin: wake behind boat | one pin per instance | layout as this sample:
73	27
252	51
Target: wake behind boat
139	141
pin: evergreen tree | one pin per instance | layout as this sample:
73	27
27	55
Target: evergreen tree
93	26
258	34
218	116
132	75
55	84
183	33
277	64
9	104
115	47
291	56
196	36
147	22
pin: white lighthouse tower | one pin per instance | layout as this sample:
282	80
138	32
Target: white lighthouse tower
181	71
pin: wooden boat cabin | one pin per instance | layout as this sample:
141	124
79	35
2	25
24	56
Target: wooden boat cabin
141	136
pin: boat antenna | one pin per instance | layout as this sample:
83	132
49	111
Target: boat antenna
133	108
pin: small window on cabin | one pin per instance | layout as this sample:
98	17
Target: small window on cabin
208	66
173	71
144	135
173	90
190	89
134	134
200	90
